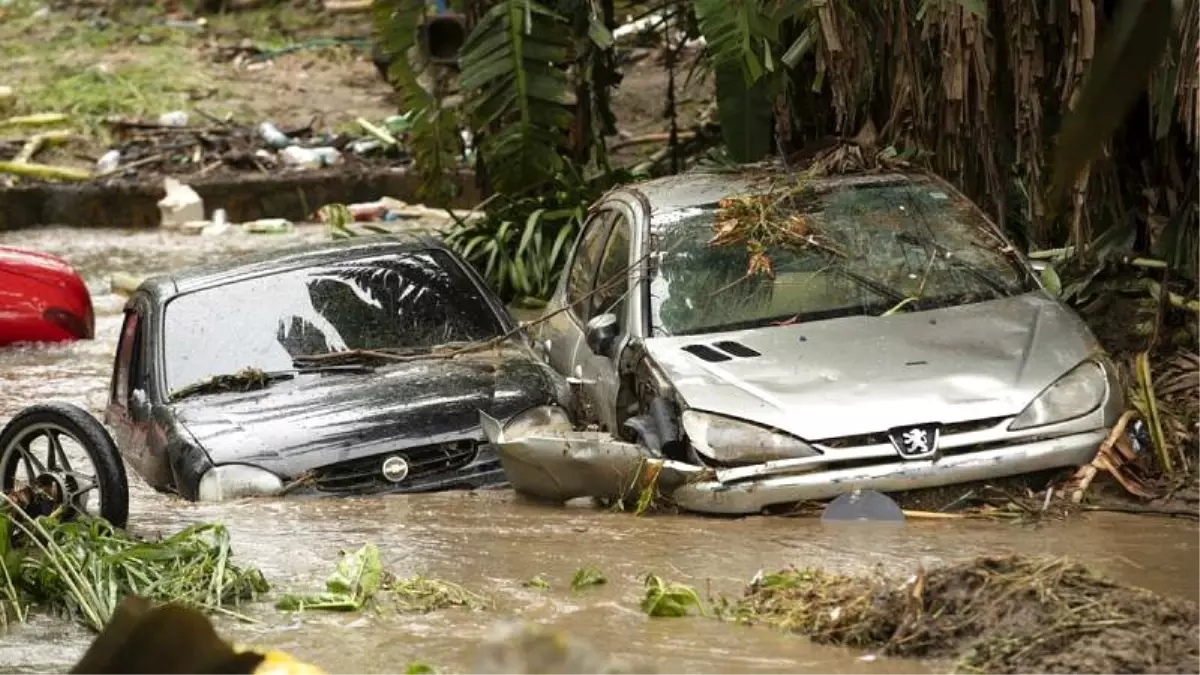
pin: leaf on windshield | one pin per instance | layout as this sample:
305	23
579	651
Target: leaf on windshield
765	222
246	379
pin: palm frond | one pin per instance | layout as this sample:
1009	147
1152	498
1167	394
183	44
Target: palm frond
516	92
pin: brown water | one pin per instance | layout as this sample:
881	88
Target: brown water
493	541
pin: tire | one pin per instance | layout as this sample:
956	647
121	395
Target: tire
71	420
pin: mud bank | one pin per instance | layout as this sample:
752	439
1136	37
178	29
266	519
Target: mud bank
1010	614
134	204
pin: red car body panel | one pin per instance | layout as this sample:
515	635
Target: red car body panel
42	299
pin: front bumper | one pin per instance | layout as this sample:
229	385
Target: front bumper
752	495
559	465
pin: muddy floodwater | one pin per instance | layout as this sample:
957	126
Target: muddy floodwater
492	541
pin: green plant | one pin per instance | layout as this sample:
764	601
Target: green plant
586	577
84	567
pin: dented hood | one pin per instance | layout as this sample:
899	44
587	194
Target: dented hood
866	374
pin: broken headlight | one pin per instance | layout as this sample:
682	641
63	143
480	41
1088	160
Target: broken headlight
730	441
543	417
234	481
1075	394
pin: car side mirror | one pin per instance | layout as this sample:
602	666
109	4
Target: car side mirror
602	334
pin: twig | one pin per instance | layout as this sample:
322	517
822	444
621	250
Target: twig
44	171
659	137
132	165
1172	511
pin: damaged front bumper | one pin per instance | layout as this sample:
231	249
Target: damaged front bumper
553	462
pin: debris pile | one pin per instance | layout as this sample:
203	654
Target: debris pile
764	222
82	567
993	614
175	146
178	144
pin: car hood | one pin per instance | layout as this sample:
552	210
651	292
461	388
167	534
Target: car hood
319	419
859	375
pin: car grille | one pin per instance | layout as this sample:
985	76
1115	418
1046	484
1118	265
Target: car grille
881	437
365	474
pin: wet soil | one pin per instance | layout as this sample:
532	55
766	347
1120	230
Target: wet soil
493	542
993	614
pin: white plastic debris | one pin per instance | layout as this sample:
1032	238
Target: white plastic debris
181	205
329	156
175	118
218	226
109	161
268	226
295	155
273	136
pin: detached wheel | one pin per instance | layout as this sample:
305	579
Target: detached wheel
61	450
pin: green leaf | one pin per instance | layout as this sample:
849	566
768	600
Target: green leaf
747	120
1050	280
355	581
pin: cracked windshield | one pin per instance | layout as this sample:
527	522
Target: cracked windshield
837	252
536	336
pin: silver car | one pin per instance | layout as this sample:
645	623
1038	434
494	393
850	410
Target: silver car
909	346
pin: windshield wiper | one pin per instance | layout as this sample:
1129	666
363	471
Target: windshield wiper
954	261
253	379
889	293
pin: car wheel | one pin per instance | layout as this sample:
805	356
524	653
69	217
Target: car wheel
44	450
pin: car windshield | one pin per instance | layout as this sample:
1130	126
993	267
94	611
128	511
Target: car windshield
865	249
409	301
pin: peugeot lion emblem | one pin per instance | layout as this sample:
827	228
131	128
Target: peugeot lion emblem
919	442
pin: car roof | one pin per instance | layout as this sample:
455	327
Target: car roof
700	187
288	258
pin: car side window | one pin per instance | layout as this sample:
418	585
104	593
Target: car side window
128	357
612	277
583	266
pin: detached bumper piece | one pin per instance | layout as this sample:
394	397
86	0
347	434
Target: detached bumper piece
559	465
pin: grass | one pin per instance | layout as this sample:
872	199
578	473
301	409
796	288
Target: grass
132	64
83	568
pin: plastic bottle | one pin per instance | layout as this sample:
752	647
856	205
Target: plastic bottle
273	136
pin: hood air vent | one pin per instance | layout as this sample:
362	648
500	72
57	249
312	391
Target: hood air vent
737	349
707	353
713	356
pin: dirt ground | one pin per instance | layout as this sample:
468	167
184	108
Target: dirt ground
89	61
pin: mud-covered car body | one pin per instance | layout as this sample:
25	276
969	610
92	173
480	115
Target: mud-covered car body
901	343
393	416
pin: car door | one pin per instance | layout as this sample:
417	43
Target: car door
562	332
129	405
598	373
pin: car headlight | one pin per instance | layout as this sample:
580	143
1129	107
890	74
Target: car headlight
234	481
1075	394
539	418
731	441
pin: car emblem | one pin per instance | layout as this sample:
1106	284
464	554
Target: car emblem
919	442
395	469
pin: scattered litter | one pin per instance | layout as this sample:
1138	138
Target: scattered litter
218	226
273	136
175	118
181	204
109	161
122	283
268	226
